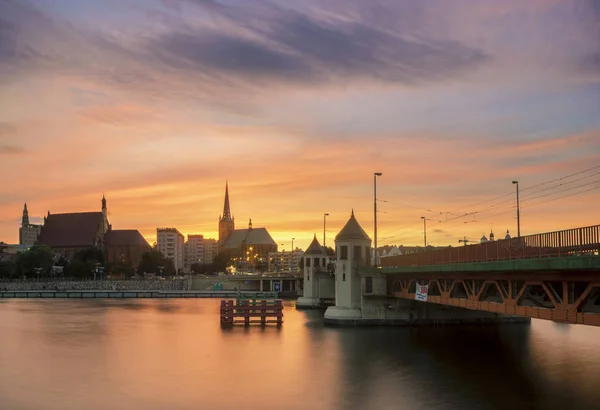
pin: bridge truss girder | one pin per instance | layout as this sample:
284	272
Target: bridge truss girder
561	299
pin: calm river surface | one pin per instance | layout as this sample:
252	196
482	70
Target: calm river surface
172	354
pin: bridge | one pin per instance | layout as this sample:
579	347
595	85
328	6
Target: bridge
553	276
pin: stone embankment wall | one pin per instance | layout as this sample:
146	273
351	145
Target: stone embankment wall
177	284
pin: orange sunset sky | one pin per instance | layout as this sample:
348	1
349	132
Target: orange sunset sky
157	103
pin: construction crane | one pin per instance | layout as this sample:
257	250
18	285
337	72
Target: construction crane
464	240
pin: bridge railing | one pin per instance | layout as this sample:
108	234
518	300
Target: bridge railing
578	241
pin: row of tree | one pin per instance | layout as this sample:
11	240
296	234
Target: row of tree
39	261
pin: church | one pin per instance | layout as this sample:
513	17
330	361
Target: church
69	233
250	244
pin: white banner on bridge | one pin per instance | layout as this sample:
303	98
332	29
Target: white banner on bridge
421	293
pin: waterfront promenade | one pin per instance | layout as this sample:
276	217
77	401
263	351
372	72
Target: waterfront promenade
116	294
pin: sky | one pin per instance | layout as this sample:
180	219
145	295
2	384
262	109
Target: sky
157	103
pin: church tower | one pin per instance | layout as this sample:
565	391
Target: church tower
25	218
226	221
104	215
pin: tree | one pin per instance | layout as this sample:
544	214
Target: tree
301	264
220	262
36	257
7	269
121	268
330	251
153	261
85	262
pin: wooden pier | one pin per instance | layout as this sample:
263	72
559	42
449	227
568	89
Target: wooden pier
248	312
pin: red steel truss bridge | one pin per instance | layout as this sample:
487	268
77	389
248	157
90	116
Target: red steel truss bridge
553	276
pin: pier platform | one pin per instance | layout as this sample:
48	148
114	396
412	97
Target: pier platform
246	312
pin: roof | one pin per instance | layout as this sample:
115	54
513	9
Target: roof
125	237
315	248
255	236
71	230
352	231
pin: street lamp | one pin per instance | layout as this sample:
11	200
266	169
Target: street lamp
424	232
293	258
518	211
375	175
324	225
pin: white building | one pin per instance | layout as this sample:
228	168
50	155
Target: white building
282	261
318	279
28	233
194	251
211	249
170	242
353	250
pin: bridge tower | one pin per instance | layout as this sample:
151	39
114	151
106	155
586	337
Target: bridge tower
353	250
314	256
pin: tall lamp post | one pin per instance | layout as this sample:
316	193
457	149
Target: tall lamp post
293	257
424	232
324	225
518	211
375	175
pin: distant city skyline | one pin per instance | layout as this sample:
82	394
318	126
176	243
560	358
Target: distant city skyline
296	104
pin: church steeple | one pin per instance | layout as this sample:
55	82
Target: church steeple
25	218
226	209
103	202
226	223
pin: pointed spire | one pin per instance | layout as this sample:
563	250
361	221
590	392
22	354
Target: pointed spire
103	202
352	213
226	208
25	218
250	224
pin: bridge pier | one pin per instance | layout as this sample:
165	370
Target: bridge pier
401	312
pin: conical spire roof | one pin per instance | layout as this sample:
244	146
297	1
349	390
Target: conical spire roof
315	248
352	231
226	210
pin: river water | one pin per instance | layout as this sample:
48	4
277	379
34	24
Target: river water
172	354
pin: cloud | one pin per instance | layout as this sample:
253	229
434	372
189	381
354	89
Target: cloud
6	130
292	46
285	46
11	150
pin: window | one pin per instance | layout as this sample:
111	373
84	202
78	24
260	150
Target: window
324	263
316	261
369	284
368	254
344	276
307	278
357	253
343	252
308	262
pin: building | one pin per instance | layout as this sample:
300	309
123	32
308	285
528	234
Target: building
318	284
28	233
70	232
194	251
170	242
125	245
285	261
248	245
211	249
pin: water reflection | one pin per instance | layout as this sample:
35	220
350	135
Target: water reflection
158	354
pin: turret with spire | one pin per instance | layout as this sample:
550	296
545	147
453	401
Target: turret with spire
25	218
105	223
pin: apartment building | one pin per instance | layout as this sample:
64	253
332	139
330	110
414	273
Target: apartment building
170	242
